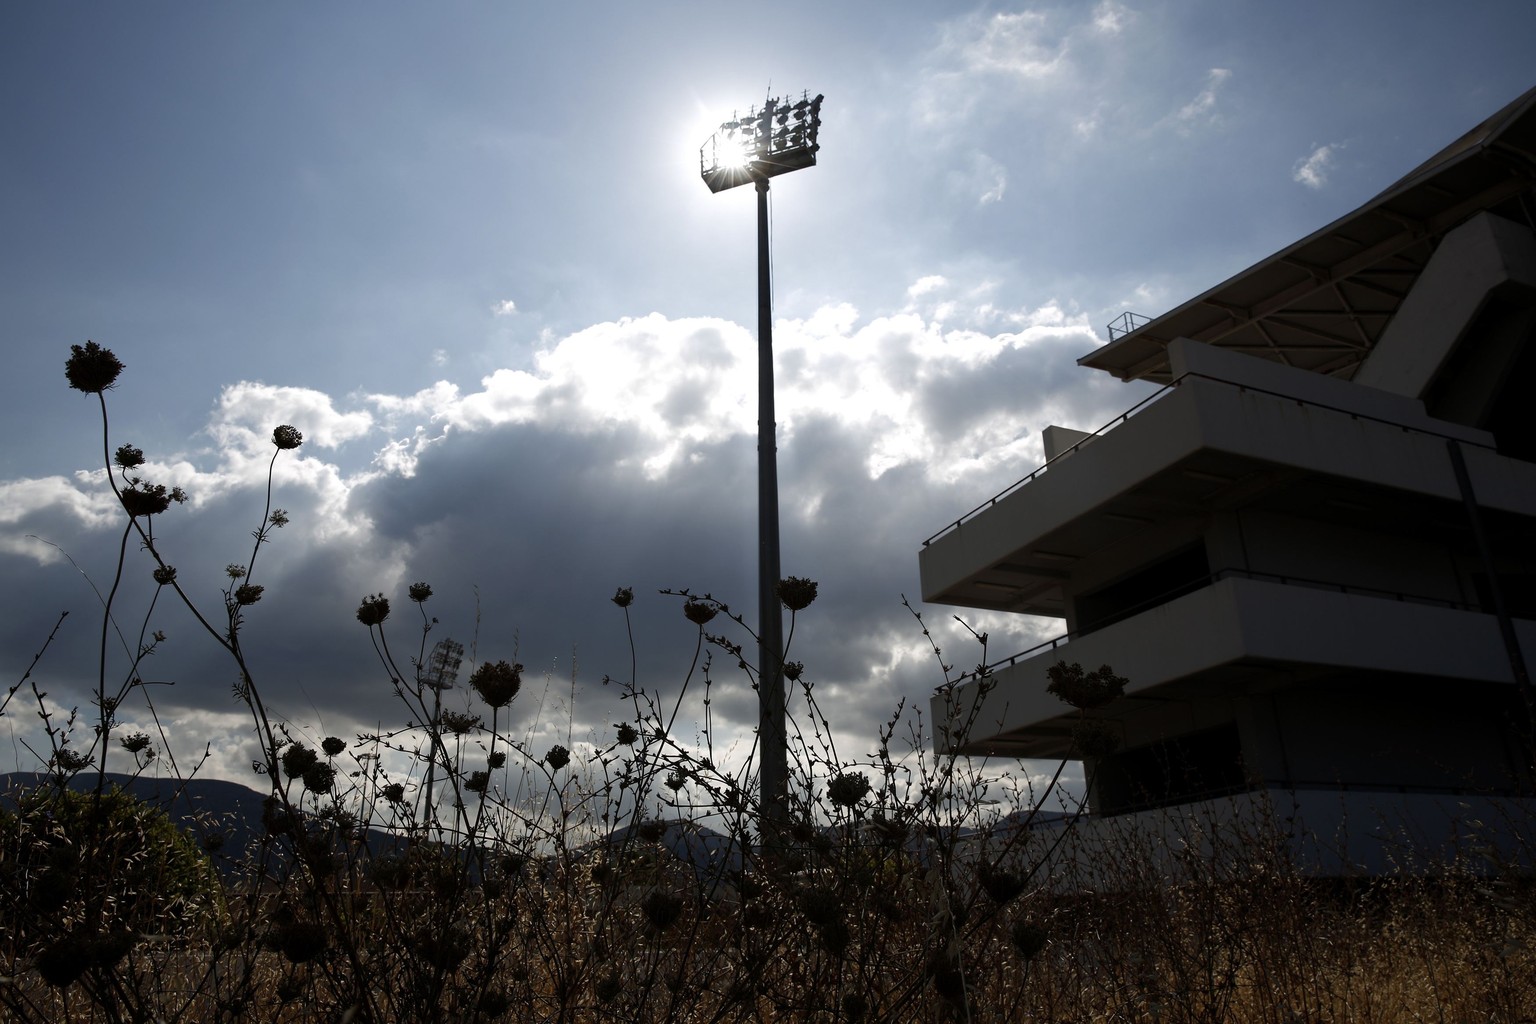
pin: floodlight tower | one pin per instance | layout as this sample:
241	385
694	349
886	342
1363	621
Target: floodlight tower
775	140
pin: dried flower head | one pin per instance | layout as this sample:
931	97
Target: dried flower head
419	592
847	789
287	437
497	682
234	572
1029	939
624	597
459	722
1000	885
299	941
128	457
319	777
496	759
333	745
698	612
796	592
67	761
248	593
1084	691
63	960
135	743
558	757
494	1003
627	734
297	759
165	575
477	782
394	793
891	833
793	670
148	499
661	909
373	611
278	518
91	368
608	987
819	904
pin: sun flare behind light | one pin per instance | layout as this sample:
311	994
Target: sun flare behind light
779	137
732	149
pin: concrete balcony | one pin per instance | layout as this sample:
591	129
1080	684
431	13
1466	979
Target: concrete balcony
1233	432
1236	636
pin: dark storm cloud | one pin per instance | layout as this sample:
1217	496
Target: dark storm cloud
618	461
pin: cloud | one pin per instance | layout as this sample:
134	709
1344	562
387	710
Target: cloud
1202	109
1021	44
622	455
1063	78
247	412
924	285
993	177
984	61
506	307
1087	126
1312	170
1111	18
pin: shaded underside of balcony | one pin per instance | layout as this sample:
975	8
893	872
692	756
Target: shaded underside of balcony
1206	447
1236	637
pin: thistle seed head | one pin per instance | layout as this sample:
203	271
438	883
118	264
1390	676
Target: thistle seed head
91	368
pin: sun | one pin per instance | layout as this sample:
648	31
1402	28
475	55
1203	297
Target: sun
729	148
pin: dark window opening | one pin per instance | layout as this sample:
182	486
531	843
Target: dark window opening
1172	771
1169	577
1486	380
1510	420
1517	588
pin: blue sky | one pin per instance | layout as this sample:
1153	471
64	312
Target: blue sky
466	250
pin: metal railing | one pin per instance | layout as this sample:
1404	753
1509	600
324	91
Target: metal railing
1306	402
1125	323
1050	462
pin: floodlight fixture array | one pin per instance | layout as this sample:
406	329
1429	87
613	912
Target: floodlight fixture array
779	138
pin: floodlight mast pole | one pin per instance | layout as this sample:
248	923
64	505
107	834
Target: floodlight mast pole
772	740
779	139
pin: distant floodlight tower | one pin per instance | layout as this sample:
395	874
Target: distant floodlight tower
443	664
775	140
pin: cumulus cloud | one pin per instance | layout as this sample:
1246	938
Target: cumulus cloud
506	307
926	284
622	455
1312	169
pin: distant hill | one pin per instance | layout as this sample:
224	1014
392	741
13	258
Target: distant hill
708	852
203	807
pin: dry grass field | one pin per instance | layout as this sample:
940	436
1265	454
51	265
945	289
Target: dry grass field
392	878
